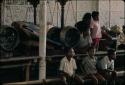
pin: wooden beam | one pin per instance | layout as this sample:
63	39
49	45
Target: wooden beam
42	40
21	58
24	83
120	73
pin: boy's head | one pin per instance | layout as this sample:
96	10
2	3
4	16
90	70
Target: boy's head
112	54
95	15
86	17
69	52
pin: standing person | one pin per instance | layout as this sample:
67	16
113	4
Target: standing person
84	28
89	70
105	65
95	29
68	67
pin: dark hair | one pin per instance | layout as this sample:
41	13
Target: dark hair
87	16
95	14
79	26
85	23
111	51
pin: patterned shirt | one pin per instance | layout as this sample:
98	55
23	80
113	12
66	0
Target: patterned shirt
89	65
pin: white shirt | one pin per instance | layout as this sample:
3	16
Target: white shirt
95	29
105	63
89	65
68	66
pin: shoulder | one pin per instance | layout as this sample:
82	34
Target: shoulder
78	24
106	58
63	59
73	60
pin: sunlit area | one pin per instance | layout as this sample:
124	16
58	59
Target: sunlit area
62	42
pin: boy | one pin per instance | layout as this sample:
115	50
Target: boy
105	65
89	68
68	67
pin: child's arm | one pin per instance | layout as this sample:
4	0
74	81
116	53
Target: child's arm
62	73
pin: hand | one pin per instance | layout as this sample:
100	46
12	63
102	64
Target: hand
66	74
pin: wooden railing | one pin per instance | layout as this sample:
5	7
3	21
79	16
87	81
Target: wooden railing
28	61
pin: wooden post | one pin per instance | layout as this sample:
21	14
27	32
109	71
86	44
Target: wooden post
62	3
109	13
62	16
28	71
35	14
0	14
34	3
124	12
42	40
1	11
